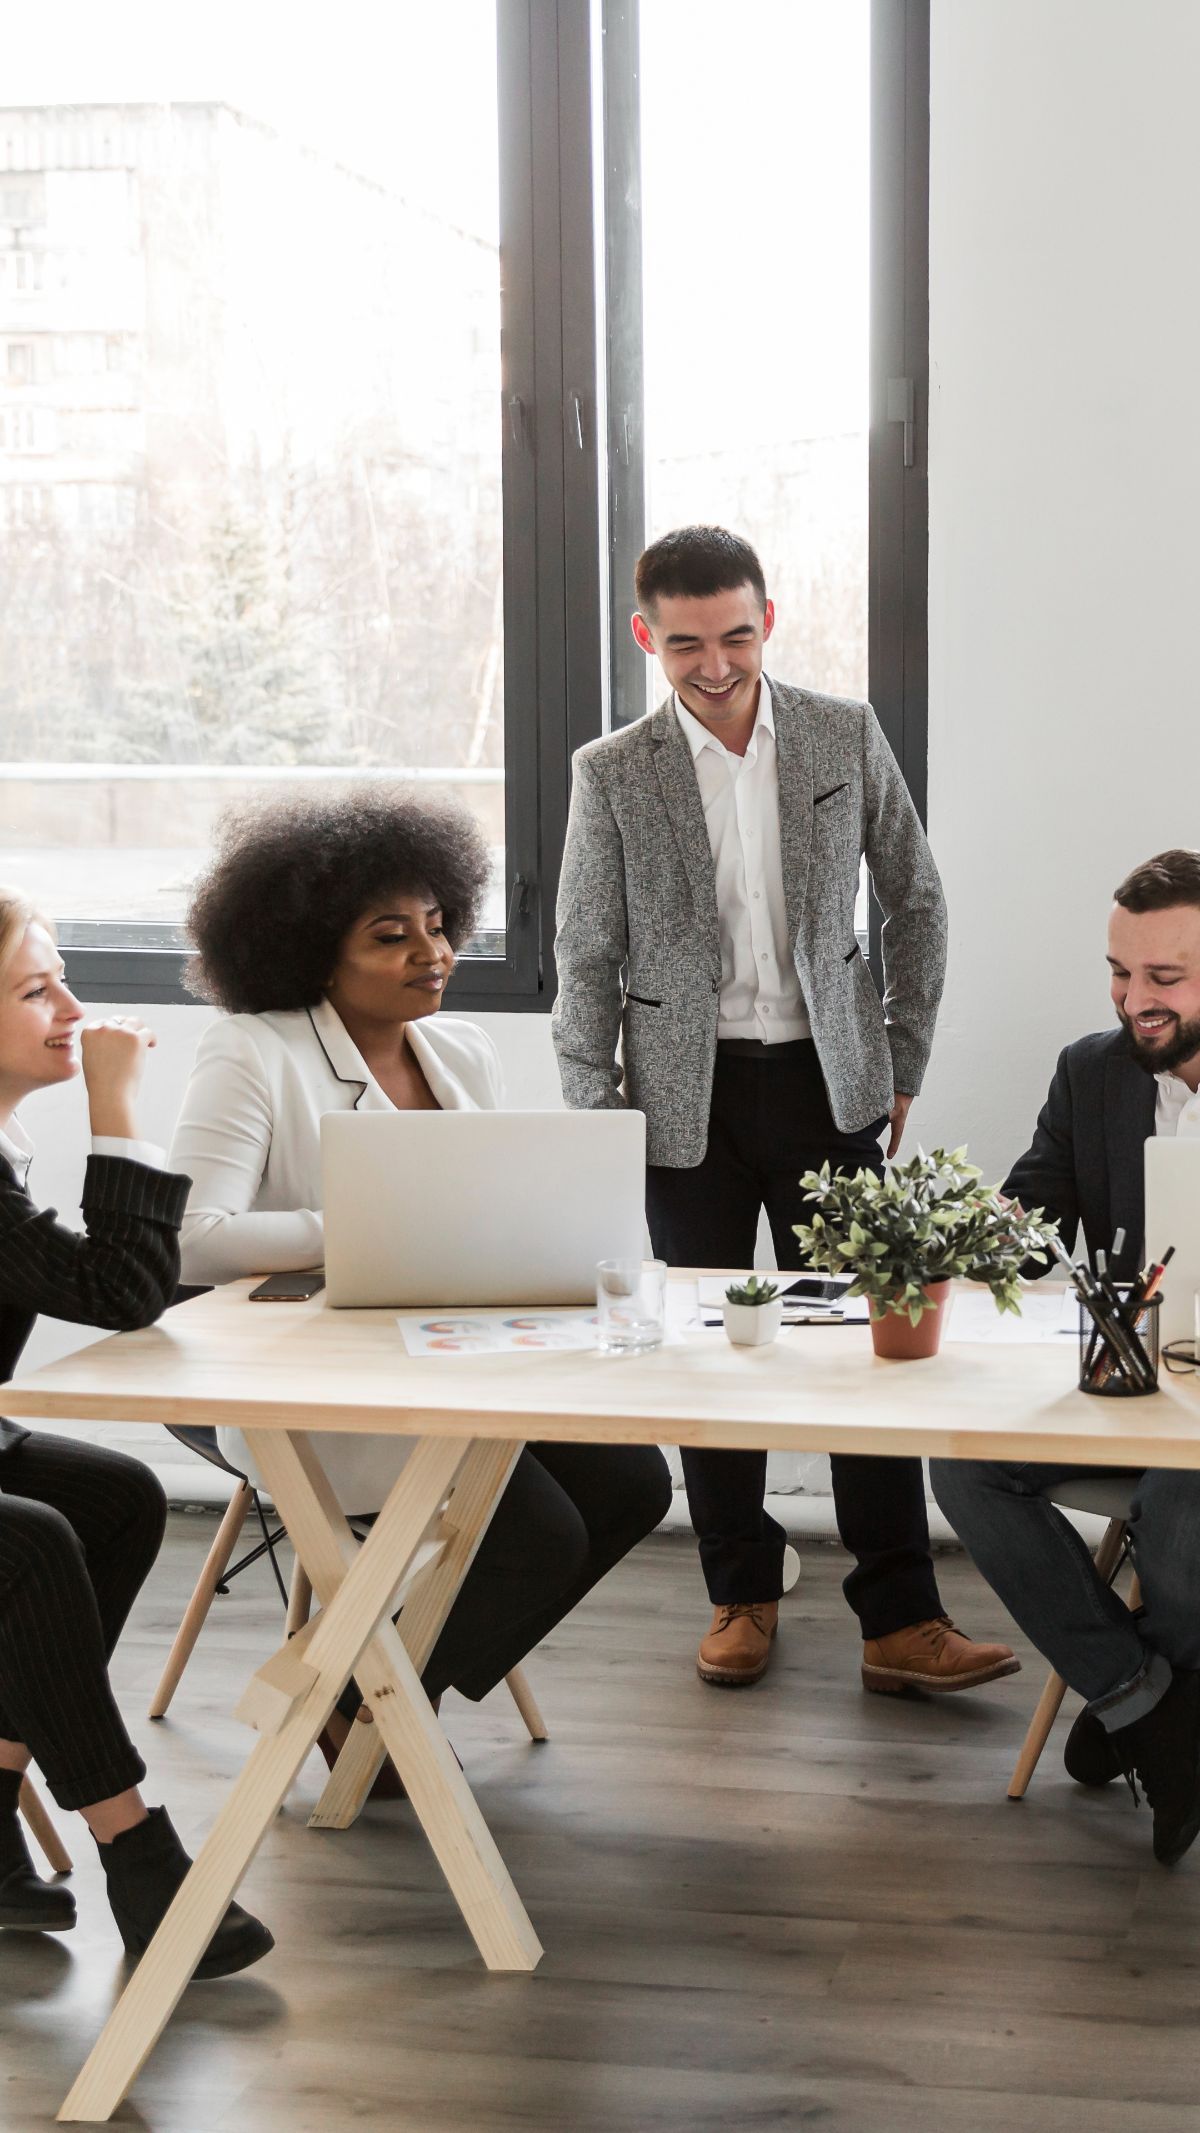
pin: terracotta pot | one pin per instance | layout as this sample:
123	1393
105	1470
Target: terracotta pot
896	1337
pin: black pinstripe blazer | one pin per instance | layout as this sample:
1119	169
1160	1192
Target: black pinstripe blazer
122	1274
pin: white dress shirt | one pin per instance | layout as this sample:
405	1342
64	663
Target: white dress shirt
1176	1108
760	992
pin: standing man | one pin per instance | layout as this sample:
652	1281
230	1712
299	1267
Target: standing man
706	919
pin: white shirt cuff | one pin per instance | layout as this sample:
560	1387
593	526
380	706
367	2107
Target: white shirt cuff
146	1152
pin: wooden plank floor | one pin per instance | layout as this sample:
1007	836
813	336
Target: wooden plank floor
792	1907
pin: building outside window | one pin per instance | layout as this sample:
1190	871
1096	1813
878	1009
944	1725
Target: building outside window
269	404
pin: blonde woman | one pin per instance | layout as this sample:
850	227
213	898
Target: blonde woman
80	1526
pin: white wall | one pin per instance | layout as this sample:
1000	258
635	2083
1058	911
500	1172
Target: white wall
1064	739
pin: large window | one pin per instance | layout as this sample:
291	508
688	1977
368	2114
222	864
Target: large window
340	386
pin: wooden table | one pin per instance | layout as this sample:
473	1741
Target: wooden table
283	1371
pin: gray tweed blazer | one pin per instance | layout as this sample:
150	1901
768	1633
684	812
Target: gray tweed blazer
638	951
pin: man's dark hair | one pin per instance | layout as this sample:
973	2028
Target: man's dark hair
291	876
694	562
1171	878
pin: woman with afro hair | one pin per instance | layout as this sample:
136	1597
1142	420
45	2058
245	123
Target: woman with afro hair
327	927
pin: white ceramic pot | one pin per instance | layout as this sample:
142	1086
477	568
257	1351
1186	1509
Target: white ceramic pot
752	1325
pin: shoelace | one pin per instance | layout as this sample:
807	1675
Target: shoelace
752	1609
936	1632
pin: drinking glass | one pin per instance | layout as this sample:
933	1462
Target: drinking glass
631	1302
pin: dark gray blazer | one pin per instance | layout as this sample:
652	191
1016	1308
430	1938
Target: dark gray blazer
1085	1164
638	949
122	1274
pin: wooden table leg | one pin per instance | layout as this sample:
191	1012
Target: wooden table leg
354	1607
441	1798
478	1487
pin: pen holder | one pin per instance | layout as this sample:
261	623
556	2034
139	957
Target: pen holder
1101	1369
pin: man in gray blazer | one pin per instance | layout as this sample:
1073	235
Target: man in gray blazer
706	924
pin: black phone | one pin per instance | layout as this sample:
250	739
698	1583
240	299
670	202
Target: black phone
289	1288
813	1288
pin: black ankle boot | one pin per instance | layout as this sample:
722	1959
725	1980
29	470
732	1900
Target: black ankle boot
1089	1756
1162	1752
144	1867
27	1903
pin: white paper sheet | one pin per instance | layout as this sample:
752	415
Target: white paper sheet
1045	1316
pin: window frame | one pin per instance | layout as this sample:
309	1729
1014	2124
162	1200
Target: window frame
898	494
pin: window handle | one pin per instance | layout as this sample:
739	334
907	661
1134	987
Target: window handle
516	420
900	404
518	902
577	411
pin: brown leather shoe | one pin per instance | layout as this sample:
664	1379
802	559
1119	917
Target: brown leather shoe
737	1649
388	1784
932	1655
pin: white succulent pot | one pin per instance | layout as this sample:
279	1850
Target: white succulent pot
752	1325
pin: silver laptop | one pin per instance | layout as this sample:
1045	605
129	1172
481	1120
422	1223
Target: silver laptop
1173	1217
479	1207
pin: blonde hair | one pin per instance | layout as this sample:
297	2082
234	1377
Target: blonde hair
17	913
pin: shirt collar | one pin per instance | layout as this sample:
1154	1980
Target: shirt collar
16	1148
1173	1092
698	736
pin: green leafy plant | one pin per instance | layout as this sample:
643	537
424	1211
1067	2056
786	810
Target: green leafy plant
927	1220
753	1291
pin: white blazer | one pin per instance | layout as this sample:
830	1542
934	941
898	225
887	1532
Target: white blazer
249	1137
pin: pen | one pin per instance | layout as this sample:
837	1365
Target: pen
1127	1348
1144	1290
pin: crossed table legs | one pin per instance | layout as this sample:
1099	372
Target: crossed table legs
290	1699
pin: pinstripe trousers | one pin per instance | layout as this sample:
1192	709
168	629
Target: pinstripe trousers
79	1530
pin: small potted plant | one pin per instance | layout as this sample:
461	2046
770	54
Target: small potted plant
753	1312
906	1235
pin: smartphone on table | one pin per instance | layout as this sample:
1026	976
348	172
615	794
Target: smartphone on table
289	1288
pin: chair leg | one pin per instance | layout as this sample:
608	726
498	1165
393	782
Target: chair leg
1049	1705
526	1703
202	1598
1108	1557
299	1599
42	1829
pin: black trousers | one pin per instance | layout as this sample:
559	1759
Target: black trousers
770	1120
569	1513
79	1530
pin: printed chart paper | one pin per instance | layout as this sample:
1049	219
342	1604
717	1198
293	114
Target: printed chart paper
495	1332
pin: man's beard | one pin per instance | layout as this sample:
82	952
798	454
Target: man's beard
1163	1058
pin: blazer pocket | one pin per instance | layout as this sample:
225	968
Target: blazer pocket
832	794
852	952
640	1001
